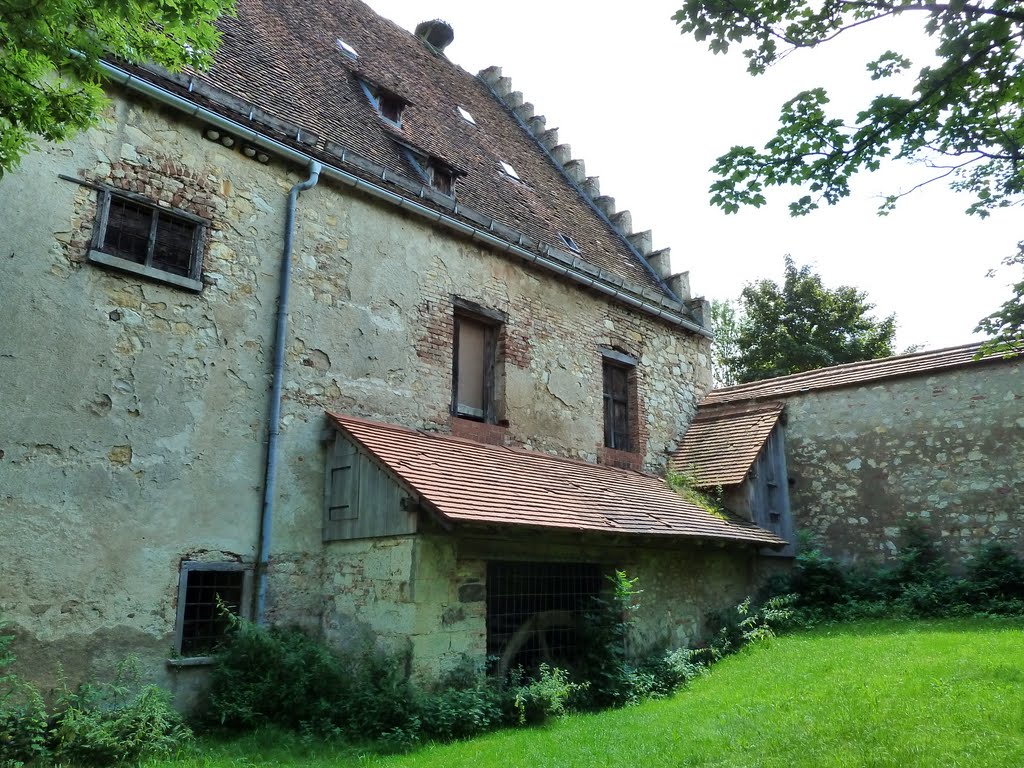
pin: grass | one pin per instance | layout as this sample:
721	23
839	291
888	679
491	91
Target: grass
942	693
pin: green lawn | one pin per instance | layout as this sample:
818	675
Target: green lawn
943	693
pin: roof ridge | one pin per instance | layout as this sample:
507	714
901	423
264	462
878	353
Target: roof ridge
657	262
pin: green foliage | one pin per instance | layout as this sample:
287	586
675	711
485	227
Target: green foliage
803	325
282	676
919	585
99	724
108	723
546	697
606	626
687	485
963	121
1005	326
50	52
725	345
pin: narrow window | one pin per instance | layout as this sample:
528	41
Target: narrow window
208	595
617	417
473	375
138	237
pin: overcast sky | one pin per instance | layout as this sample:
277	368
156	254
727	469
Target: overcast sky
649	110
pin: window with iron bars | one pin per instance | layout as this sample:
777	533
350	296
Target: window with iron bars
134	235
208	595
535	612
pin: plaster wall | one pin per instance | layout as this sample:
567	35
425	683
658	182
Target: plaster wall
133	414
944	450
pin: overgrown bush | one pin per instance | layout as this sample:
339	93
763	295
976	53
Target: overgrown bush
919	585
110	723
605	663
547	696
99	724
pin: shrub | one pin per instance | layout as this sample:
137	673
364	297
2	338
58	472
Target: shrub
105	725
605	661
545	697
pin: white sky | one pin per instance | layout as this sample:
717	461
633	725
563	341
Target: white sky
649	110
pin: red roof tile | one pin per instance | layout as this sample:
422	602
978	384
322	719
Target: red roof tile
722	443
468	482
851	374
279	65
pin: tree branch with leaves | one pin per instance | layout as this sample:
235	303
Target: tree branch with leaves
50	78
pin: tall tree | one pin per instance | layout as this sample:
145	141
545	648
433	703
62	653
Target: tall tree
50	80
963	122
724	347
802	325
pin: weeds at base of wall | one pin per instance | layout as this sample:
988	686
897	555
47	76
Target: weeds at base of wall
98	724
920	585
282	677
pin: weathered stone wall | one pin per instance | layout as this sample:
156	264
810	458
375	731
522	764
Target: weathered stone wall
944	450
133	414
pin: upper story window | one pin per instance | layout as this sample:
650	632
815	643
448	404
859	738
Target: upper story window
619	372
137	236
475	363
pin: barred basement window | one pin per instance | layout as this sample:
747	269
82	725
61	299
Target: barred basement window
207	593
535	612
134	235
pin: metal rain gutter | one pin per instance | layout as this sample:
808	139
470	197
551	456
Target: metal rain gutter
274	422
130	81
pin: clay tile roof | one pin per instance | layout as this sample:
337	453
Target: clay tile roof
722	443
851	374
282	58
468	482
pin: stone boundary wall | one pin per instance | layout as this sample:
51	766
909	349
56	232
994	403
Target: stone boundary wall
944	450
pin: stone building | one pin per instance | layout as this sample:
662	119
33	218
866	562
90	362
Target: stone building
342	336
932	438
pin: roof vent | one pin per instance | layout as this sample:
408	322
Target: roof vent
437	33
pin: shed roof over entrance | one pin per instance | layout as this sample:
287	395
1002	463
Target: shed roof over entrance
468	482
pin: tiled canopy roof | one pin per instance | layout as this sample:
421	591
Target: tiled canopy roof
722	443
851	374
279	68
468	482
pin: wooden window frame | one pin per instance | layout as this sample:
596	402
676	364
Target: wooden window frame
244	608
492	322
615	439
192	281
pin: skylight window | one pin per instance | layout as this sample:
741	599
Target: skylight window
466	116
345	48
569	242
509	170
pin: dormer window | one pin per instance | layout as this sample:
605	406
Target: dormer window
508	170
569	242
441	177
389	105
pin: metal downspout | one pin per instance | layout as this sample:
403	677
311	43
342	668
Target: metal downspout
274	424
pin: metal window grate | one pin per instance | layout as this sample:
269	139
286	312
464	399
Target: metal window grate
128	227
204	623
535	611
